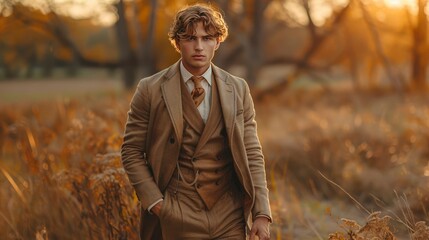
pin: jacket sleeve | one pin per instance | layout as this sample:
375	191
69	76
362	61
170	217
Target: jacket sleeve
133	151
255	158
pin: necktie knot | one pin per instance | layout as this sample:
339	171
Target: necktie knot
198	92
197	80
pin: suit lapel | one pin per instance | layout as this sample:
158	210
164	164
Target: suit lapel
171	93
227	100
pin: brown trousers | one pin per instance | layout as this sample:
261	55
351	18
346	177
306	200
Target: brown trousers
184	215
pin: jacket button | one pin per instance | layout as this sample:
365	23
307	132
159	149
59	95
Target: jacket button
193	159
172	140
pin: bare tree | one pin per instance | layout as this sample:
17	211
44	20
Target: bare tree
254	61
247	26
125	51
303	63
149	60
420	48
396	81
54	26
140	51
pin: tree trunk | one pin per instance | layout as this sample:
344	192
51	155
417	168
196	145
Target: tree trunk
394	78
48	61
125	51
227	58
420	59
31	64
149	65
253	62
72	66
248	40
140	51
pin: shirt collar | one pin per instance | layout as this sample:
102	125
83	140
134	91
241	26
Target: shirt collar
186	75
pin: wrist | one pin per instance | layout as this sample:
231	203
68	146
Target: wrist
263	217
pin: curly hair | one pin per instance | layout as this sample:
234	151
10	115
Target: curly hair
186	20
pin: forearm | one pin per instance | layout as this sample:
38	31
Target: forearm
258	174
141	178
255	160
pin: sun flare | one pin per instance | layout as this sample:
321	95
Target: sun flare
399	3
394	3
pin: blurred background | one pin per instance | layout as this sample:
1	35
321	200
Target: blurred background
340	90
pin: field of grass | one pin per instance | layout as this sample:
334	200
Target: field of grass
334	155
340	165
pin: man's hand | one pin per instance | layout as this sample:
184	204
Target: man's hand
260	228
157	209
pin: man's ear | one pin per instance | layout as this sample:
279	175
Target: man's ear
176	42
217	43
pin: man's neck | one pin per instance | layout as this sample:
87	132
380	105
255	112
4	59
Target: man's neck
186	74
196	72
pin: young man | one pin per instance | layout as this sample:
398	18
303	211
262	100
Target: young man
190	148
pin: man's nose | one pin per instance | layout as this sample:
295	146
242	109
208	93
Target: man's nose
199	45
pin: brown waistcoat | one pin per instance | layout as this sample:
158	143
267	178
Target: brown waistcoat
204	153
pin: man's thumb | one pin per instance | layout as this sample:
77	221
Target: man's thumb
252	234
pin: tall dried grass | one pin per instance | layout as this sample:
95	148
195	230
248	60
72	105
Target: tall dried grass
61	176
61	173
373	145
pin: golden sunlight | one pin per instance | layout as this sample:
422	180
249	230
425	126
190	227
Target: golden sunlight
100	11
400	3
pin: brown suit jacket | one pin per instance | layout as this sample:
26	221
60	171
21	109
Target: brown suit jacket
153	137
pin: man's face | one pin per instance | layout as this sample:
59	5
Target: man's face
198	50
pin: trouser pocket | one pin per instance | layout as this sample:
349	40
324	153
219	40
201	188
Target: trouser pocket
170	217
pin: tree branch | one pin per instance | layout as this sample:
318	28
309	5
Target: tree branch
304	62
56	29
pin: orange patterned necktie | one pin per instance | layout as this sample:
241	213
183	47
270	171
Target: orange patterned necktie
198	92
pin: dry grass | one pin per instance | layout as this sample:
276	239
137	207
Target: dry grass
372	145
61	176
